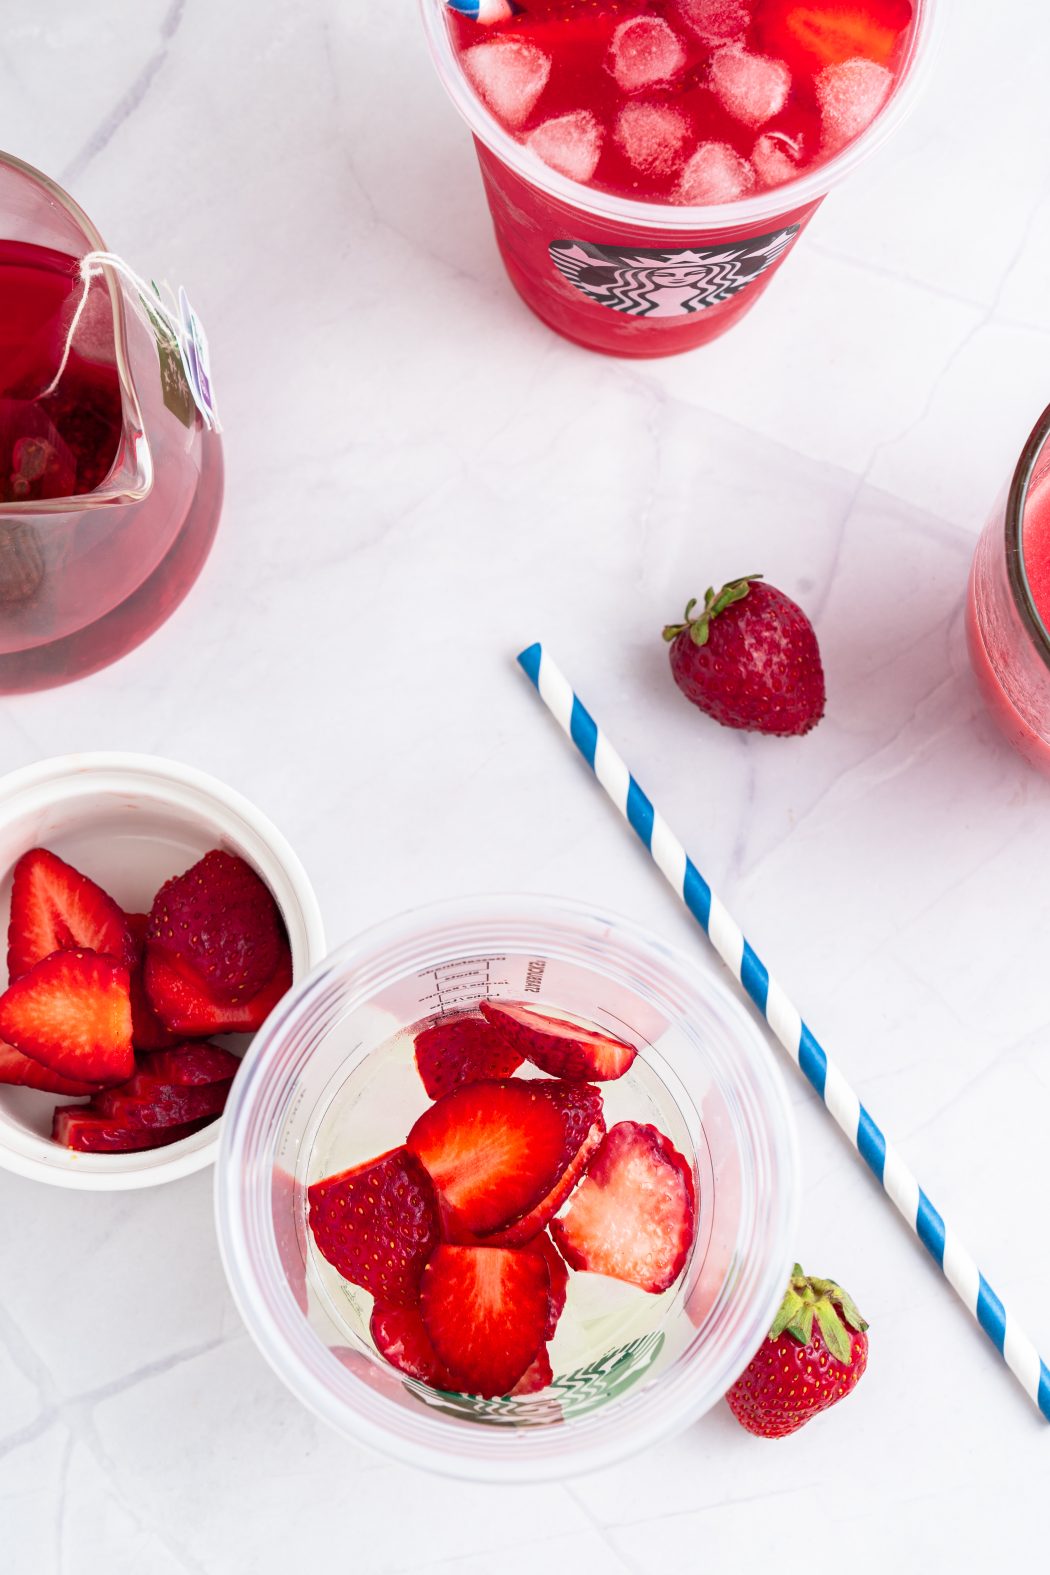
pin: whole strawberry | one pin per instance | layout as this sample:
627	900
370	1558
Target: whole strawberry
750	659
815	1355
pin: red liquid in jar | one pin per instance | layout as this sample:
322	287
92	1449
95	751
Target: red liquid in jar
83	584
688	102
62	442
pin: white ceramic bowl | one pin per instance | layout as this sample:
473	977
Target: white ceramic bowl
130	822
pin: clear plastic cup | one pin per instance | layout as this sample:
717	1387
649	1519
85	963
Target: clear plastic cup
317	1092
1008	640
582	259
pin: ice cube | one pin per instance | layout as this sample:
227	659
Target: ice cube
753	88
776	158
850	95
715	173
653	137
570	144
715	21
509	75
645	50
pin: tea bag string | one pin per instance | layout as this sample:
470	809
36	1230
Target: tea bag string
93	266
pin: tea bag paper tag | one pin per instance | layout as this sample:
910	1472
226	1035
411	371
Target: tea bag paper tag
181	341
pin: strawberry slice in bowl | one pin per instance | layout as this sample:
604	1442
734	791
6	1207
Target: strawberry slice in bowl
218	922
462	1049
561	1046
184	1006
486	1311
633	1217
377	1224
494	1150
144	1102
56	908
72	1013
522	1231
401	1337
89	1132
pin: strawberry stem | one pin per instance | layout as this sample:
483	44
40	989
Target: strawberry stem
808	1301
714	603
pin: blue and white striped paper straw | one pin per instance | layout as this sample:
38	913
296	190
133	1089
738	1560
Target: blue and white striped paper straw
882	1159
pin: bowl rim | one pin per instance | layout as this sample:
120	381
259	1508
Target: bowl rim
36	783
255	1301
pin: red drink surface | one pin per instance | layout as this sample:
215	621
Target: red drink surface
686	101
60	443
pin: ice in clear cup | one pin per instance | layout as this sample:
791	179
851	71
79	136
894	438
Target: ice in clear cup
657	276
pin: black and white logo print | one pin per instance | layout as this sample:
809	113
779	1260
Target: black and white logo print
646	283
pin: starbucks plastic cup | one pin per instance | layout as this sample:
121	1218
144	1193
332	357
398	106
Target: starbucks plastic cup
322	1088
646	278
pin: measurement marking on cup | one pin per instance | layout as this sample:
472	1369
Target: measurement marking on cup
462	981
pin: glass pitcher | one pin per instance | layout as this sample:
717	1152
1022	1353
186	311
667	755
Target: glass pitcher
110	475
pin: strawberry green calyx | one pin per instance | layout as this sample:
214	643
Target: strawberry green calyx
714	603
809	1300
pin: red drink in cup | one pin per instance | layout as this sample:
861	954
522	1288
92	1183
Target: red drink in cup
1008	610
649	163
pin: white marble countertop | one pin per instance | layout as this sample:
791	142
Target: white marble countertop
422	479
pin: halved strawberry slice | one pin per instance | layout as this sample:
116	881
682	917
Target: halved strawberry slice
22	1070
400	1335
377	1224
634	1215
72	1012
219	920
190	1064
185	1007
55	908
558	1271
143	1102
85	1130
493	1150
525	1229
147	1030
811	34
485	1310
539	1376
458	1050
573	1050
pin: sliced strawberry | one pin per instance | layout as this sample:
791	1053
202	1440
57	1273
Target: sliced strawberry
558	1045
485	1310
54	908
525	1229
400	1335
190	1064
811	34
22	1070
458	1050
147	1030
493	1150
72	1012
185	1007
220	921
143	1102
536	1377
634	1215
91	1133
377	1224
558	1271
